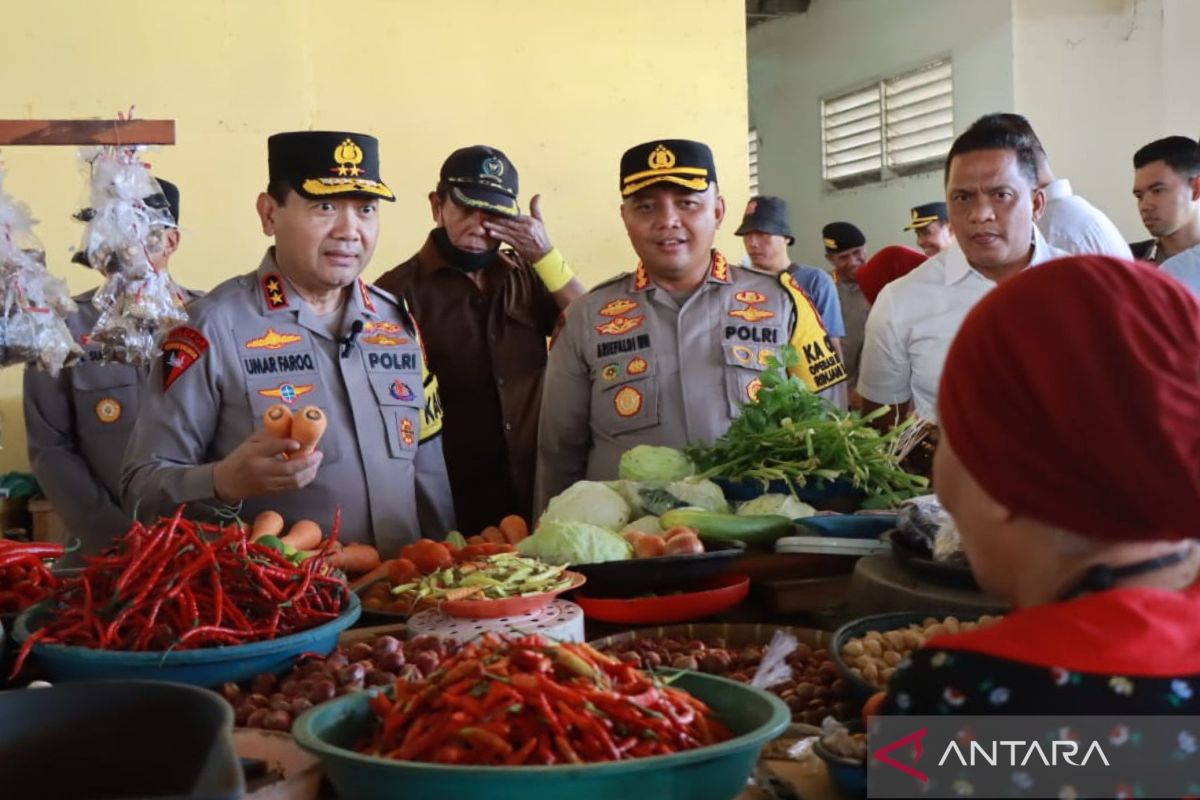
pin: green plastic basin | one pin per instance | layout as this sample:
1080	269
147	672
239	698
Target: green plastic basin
717	772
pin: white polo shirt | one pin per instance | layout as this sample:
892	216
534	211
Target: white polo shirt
913	321
1185	268
1073	224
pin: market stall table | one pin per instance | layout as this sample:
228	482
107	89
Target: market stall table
881	584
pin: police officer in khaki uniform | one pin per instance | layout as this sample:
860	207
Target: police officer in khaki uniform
668	354
77	424
303	329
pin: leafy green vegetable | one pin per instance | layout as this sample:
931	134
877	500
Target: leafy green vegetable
699	493
659	501
789	433
651	464
591	502
646	524
566	542
783	504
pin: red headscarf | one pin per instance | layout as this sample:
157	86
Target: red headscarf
1072	395
884	267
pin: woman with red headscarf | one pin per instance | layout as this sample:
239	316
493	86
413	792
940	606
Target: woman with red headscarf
1070	461
892	262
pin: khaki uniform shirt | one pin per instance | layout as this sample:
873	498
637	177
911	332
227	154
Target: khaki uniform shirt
855	309
253	342
633	366
76	427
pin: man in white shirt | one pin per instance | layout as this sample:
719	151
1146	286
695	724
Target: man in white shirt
994	201
1069	222
1166	183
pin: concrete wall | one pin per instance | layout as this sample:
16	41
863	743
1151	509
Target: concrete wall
839	45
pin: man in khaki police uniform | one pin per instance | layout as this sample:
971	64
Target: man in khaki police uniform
303	329
668	354
77	424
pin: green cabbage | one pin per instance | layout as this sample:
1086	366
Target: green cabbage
591	502
566	542
699	493
781	504
651	464
646	524
629	492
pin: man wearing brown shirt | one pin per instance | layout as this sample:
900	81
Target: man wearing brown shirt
485	313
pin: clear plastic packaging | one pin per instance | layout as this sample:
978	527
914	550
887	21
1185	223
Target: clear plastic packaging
127	230
774	667
35	303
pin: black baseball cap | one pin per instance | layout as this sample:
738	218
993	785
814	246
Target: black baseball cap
839	236
681	162
769	215
324	164
481	177
926	214
166	199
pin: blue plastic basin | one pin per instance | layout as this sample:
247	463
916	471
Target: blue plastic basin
717	772
850	526
822	495
207	666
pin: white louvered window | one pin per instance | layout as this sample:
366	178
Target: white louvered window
752	149
900	125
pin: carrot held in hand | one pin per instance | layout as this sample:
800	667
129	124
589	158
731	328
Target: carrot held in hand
307	428
277	421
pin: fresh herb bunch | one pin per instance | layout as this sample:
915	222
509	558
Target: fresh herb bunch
788	433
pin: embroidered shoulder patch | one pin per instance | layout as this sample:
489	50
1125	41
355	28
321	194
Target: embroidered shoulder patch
274	294
183	347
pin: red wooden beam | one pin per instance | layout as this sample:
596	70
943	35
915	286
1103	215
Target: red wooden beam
86	131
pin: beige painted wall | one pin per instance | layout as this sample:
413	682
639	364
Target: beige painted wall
562	87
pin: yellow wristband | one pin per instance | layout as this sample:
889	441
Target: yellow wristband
552	268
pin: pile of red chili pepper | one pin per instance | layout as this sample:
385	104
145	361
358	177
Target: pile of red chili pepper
24	577
530	701
180	585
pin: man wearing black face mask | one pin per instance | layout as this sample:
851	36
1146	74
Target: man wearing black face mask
485	312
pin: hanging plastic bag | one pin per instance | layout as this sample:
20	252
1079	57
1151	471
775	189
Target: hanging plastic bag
34	303
126	237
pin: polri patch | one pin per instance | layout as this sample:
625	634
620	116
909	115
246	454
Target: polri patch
183	347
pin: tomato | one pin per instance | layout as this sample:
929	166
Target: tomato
430	556
872	706
472	552
402	570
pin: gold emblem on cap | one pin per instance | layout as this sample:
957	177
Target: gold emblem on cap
348	156
661	158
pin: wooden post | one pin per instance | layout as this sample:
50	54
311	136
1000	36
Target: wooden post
86	131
